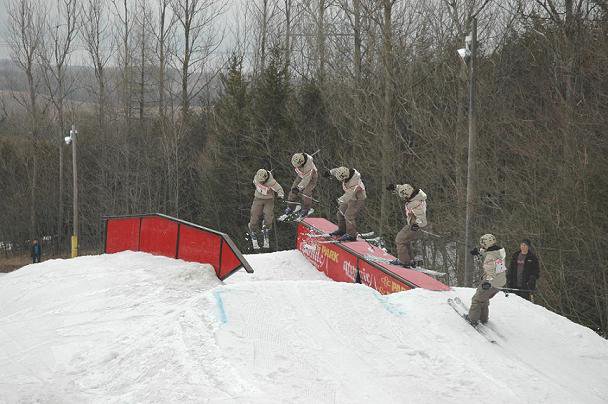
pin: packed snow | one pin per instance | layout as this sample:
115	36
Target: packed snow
132	327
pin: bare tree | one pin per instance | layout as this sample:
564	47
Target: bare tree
26	22
200	39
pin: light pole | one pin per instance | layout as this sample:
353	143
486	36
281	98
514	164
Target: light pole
72	139
468	55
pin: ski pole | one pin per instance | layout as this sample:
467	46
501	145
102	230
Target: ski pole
315	153
310	197
429	233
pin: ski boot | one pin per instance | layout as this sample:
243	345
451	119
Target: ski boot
254	241
347	237
265	237
337	233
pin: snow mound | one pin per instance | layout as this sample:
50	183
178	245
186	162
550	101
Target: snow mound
132	327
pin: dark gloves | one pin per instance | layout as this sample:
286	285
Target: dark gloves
390	187
326	174
295	190
532	282
415	227
475	251
486	285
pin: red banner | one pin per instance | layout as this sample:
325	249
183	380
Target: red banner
345	262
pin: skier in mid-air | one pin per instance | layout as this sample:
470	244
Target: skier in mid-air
303	185
415	216
494	277
263	206
350	203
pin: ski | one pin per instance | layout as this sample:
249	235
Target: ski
417	269
365	236
462	310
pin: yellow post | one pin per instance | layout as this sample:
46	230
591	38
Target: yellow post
74	246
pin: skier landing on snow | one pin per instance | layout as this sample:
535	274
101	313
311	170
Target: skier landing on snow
494	277
304	184
263	205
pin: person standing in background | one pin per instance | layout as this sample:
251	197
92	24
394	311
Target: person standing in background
523	270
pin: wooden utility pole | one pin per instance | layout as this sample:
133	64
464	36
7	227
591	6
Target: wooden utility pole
471	174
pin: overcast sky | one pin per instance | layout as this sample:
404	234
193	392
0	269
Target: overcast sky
228	20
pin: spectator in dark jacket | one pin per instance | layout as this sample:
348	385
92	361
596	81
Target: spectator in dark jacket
36	251
523	270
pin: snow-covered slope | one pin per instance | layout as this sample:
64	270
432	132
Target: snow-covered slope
132	327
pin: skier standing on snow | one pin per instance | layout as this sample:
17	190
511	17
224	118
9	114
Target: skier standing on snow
36	252
350	203
304	184
523	270
494	277
263	205
415	215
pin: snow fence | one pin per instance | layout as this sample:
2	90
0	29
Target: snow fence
164	235
346	262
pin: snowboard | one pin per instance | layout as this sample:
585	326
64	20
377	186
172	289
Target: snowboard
462	310
417	269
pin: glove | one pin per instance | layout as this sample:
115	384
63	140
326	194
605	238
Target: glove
475	251
390	187
326	174
486	285
281	195
532	283
415	227
295	190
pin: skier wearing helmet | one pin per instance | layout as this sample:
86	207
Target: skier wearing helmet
304	184
494	277
350	203
263	205
415	215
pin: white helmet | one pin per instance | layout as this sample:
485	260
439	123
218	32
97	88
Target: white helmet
342	173
261	176
404	191
298	159
486	241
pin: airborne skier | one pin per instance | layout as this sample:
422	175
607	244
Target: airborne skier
494	277
350	203
263	206
304	184
415	215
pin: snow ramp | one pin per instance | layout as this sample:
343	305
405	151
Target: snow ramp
133	327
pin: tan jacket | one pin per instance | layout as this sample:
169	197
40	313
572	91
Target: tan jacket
415	209
354	189
267	189
494	267
305	173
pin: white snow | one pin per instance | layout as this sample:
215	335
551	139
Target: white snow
132	327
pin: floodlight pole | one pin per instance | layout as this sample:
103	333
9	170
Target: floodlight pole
471	174
73	136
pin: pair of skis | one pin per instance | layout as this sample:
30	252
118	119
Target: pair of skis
463	311
296	215
253	238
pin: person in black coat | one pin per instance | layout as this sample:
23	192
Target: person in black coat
36	251
523	270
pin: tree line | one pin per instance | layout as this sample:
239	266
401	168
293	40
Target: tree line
178	103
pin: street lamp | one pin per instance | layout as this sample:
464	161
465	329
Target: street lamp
72	139
468	55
